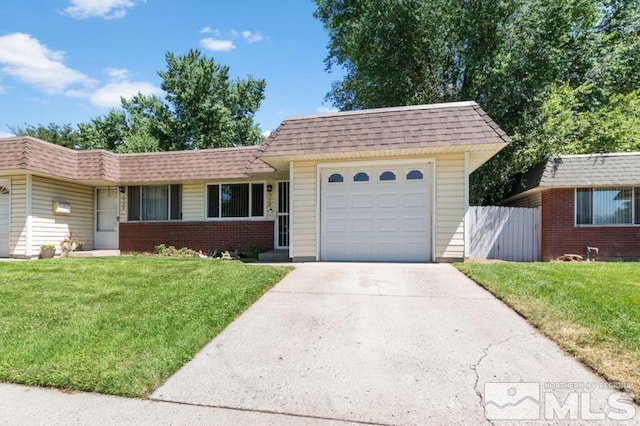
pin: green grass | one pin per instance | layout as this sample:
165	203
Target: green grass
117	325
591	309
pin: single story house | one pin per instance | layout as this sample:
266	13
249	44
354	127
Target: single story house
586	201
386	184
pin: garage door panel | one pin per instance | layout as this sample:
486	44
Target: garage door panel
388	200
414	199
338	251
377	220
414	224
388	224
336	201
336	224
361	224
361	201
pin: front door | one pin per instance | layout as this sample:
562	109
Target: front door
107	207
5	217
282	229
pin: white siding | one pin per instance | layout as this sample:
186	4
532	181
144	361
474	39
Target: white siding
17	245
193	201
478	158
450	207
48	228
304	199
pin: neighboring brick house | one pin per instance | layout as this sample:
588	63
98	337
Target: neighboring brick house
385	184
586	200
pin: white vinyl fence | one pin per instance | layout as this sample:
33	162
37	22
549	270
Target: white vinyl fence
507	233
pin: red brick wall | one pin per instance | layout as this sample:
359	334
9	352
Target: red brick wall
560	236
205	236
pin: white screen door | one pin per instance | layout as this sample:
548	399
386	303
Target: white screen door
5	217
282	231
107	218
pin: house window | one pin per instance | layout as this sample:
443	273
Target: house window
415	175
236	200
336	178
387	176
607	206
361	177
154	202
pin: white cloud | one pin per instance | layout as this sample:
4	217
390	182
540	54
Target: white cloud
118	74
26	59
324	109
252	37
31	62
217	45
220	41
6	135
267	133
107	9
109	96
120	85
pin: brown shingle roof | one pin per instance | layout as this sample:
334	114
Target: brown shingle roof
221	163
43	157
421	126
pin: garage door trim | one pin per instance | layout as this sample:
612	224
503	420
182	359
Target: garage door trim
377	163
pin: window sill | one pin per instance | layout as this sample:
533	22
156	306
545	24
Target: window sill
625	225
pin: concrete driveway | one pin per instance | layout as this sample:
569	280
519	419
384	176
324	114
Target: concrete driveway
384	343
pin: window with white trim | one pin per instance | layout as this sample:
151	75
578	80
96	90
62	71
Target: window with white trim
387	176
608	206
154	202
235	200
361	177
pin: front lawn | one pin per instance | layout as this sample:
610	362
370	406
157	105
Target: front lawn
591	309
117	325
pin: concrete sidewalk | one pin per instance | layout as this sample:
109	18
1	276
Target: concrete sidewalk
21	405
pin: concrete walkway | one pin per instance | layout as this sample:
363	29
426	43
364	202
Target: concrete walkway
364	343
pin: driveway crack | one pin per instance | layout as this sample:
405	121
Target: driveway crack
474	367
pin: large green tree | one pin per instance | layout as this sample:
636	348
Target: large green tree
203	107
514	57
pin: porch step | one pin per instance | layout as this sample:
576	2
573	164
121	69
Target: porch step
95	253
274	256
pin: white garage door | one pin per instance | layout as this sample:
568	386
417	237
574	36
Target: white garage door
376	213
5	216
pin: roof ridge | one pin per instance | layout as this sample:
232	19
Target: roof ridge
440	105
596	154
483	114
188	151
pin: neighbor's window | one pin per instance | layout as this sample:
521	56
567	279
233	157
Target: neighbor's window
241	200
154	202
607	206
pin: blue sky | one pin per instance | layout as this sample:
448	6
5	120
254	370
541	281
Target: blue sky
66	61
